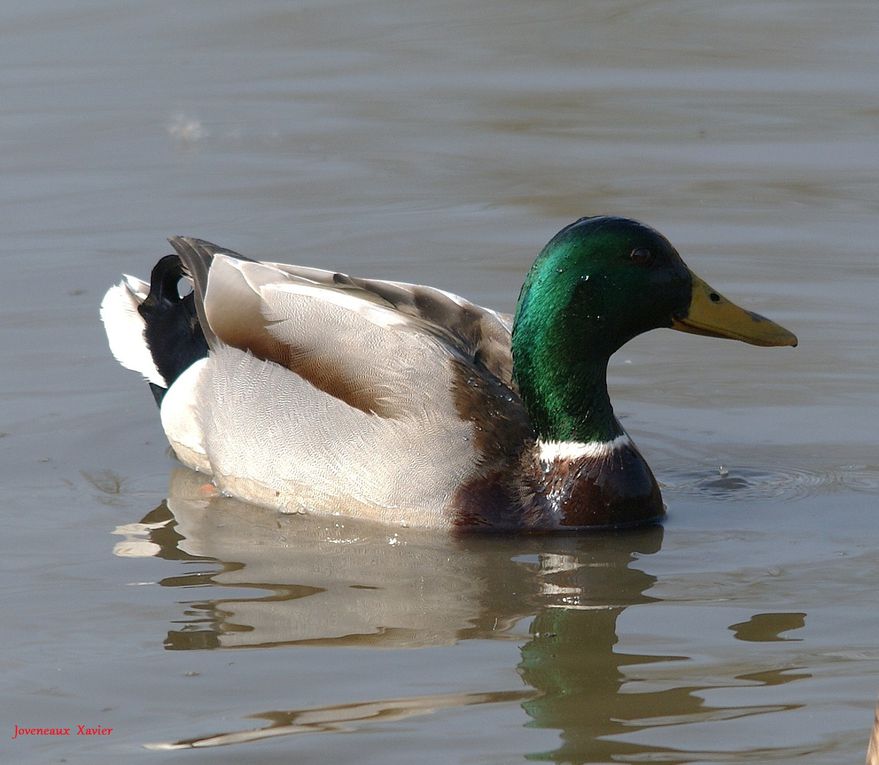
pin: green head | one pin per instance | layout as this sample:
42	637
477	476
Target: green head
597	284
606	280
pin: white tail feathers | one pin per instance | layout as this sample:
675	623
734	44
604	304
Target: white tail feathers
124	327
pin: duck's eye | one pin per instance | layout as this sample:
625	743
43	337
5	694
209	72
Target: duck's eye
641	256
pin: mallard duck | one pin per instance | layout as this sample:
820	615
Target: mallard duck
313	391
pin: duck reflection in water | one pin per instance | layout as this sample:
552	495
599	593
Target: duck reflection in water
344	583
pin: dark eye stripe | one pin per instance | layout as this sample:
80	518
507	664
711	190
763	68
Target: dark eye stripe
641	256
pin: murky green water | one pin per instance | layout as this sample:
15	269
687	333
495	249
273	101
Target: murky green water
444	143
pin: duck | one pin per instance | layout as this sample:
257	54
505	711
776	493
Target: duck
312	391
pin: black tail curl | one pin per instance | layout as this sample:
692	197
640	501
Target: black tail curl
172	330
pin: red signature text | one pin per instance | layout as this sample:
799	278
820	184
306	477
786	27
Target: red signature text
81	730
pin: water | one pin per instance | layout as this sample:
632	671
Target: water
444	143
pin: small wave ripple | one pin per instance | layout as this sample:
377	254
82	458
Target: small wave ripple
783	482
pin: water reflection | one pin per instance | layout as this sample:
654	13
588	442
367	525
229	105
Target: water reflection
873	746
341	718
303	580
326	582
767	628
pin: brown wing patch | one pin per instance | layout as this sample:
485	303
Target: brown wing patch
326	374
499	418
234	310
494	497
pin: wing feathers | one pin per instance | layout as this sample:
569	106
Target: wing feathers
367	342
197	257
478	334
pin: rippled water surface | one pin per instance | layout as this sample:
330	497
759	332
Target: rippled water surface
444	143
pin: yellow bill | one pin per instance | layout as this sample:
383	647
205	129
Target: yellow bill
712	314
